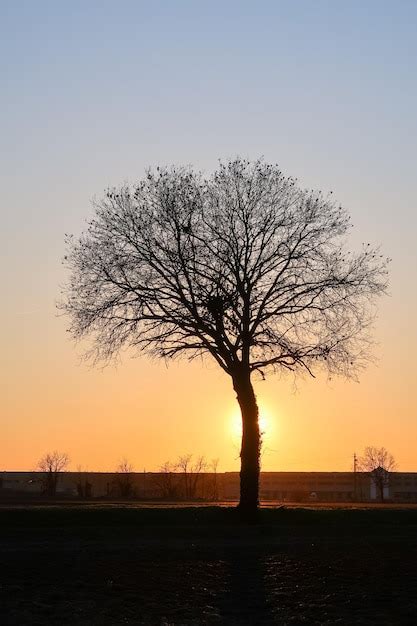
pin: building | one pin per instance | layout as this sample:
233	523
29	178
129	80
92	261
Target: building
300	486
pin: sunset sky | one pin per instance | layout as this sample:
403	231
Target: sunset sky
93	93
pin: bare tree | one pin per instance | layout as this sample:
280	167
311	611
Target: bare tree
183	466
197	468
52	465
378	462
82	484
214	463
166	481
243	265
124	478
191	472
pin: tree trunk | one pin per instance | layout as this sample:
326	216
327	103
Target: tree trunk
251	444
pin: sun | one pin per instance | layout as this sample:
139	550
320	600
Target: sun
265	423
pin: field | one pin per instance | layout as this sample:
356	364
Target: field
199	565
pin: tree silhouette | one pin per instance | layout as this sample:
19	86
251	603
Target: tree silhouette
52	465
166	481
191	473
379	463
214	495
82	484
243	266
124	478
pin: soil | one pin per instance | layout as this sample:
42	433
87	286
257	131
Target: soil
130	565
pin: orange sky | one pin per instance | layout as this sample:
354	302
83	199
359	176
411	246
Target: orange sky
151	413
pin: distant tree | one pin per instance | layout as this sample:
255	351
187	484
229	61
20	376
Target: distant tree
378	462
52	465
244	266
186	478
214	463
83	485
166	481
124	479
191	474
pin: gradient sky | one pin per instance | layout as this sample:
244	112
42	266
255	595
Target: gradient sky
92	93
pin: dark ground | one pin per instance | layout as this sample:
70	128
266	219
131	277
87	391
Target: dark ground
116	565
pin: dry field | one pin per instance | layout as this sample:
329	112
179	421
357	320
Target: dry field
127	564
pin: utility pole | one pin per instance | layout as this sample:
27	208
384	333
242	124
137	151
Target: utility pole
355	462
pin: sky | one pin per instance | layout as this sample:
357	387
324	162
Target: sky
92	93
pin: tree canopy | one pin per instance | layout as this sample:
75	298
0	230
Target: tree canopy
243	265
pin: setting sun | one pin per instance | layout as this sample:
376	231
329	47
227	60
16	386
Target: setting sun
266	424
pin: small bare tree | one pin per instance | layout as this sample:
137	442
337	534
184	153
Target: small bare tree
244	266
197	468
166	481
82	484
124	479
52	465
191	472
214	464
378	462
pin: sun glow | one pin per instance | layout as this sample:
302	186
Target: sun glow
265	424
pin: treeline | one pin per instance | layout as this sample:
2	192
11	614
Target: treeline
187	478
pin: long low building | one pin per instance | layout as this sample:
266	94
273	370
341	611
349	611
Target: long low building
274	486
